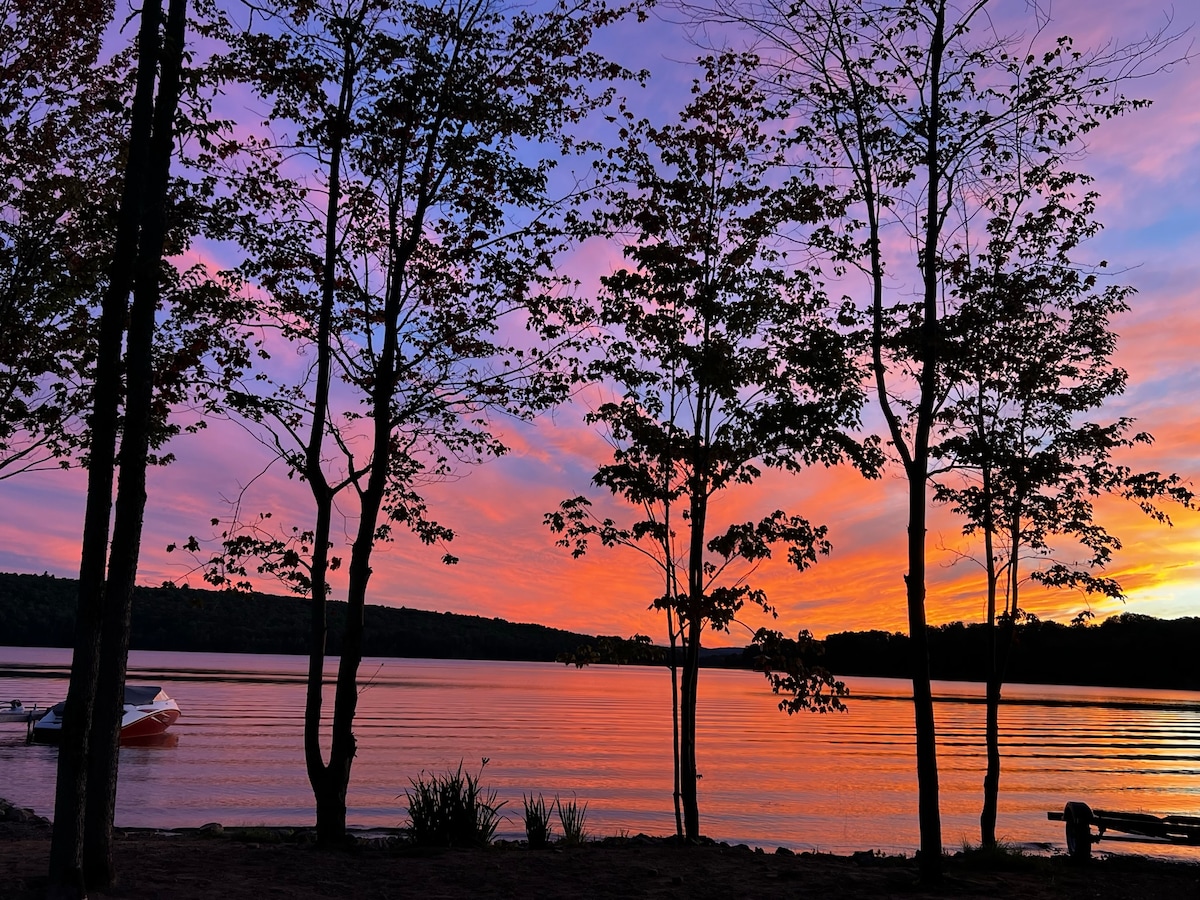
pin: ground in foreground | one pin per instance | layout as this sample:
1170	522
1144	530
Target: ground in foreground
257	864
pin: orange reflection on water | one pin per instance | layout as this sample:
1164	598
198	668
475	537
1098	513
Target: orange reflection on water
602	735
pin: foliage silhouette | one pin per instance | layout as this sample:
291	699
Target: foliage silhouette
723	358
452	810
394	226
924	115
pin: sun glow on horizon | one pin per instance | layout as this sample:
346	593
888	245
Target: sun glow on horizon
509	566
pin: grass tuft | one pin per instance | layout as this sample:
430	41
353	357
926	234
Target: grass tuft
1002	856
452	810
537	820
572	817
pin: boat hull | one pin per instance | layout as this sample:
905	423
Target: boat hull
142	723
148	713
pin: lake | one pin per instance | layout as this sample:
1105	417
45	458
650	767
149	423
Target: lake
834	782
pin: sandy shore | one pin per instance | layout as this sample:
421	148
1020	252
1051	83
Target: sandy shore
256	864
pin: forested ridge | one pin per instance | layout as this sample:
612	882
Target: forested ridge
1129	650
39	611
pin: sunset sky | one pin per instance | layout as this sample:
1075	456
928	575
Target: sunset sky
1148	172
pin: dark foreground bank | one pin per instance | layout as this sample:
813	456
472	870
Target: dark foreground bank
254	864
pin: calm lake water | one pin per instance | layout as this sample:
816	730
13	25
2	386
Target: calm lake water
838	782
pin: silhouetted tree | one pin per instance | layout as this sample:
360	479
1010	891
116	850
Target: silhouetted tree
1032	366
403	236
87	773
913	108
724	357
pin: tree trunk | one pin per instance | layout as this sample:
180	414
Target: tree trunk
995	683
330	800
689	776
331	808
65	877
927	773
66	842
331	824
99	871
929	814
674	667
991	780
1002	641
329	792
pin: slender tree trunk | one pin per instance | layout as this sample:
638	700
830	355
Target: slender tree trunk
991	779
927	772
674	666
131	491
330	805
344	747
689	776
329	787
918	473
697	499
1001	649
71	792
674	625
913	448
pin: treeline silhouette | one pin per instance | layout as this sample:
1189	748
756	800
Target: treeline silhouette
39	611
1129	650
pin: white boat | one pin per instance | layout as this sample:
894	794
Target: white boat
148	712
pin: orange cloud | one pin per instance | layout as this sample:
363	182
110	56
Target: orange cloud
509	565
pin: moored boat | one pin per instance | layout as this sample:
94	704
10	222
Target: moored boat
148	712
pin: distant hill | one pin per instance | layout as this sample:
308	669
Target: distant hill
1128	650
39	611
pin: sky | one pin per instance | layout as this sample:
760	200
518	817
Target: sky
1147	168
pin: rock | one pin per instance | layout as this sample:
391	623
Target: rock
16	822
211	829
784	851
21	816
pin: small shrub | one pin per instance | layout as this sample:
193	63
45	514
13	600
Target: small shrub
537	820
452	810
1003	856
572	816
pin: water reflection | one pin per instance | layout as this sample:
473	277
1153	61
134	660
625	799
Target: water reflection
834	782
155	741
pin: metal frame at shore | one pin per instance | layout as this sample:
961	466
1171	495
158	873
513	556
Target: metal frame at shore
1079	819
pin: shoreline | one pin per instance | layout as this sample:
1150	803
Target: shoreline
246	863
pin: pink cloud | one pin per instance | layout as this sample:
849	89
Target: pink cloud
509	565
